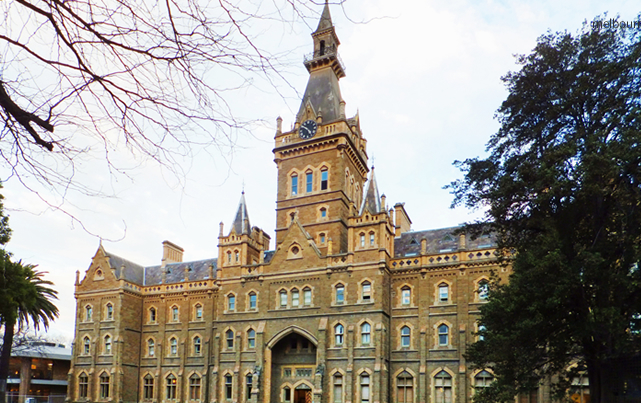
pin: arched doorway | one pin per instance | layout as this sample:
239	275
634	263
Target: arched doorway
292	371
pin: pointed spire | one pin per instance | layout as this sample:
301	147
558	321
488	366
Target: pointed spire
241	222
325	20
371	202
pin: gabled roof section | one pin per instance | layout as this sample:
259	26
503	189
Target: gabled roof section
325	20
443	240
371	201
125	269
175	272
241	222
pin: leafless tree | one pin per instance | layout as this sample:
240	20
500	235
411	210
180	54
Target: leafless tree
151	76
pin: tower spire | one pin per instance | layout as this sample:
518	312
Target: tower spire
241	222
371	201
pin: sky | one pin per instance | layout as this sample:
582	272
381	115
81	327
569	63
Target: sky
424	77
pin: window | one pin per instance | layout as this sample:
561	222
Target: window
309	180
174	314
323	213
110	311
579	390
199	312
307	296
173	346
252	301
228	257
251	339
295	297
151	348
443	292
443	335
405	336
283	298
481	331
533	396
404	388
194	387
362	240
365	388
197	345
321	238
229	336
483	379
338	388
171	387
294	185
88	313
236	256
443	385
324	181
287	394
148	387
366	291
107	345
372	238
228	387
86	345
152	315
340	294
406	295
83	386
366	330
248	384
484	290
104	386
339	334
231	302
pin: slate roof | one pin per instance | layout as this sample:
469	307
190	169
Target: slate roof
126	269
52	351
197	270
371	201
325	20
241	221
324	94
438	241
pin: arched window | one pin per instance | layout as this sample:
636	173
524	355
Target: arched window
443	292
198	312
338	388
194	387
174	314
251	339
104	385
404	388
405	336
197	345
309	182
236	256
148	387
151	348
365	391
322	48
231	302
86	345
83	386
152	315
229	336
339	334
252	301
443	335
307	296
483	379
171	387
294	184
324	179
228	257
287	395
323	212
362	237
88	313
321	238
110	311
366	291
108	345
340	294
484	290
283	298
173	346
372	238
366	330
295	297
248	386
228	386
443	387
406	295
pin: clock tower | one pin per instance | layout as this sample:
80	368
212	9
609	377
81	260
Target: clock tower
322	160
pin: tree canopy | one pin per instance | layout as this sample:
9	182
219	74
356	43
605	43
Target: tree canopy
561	188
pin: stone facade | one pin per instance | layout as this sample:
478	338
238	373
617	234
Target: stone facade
350	306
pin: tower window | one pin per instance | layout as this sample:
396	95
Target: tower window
366	291
307	296
252	300
104	386
228	387
309	180
294	185
322	48
405	336
443	335
87	345
366	330
110	312
339	334
151	347
324	181
405	296
83	385
323	212
372	238
228	257
340	294
283	298
231	302
171	387
295	297
199	312
362	240
251	339
443	292
173	347
229	336
152	315
197	345
149	387
322	239
194	387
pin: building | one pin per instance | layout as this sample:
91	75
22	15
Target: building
349	306
38	373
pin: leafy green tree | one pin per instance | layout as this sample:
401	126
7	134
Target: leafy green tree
561	188
26	298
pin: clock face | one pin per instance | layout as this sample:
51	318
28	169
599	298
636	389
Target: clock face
307	130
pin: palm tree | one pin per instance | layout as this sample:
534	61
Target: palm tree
26	298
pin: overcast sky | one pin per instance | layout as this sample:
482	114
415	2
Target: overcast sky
424	76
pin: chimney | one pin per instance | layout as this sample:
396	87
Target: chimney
403	222
171	253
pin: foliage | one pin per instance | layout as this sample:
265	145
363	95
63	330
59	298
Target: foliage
562	187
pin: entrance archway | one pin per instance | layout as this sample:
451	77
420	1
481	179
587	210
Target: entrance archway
293	365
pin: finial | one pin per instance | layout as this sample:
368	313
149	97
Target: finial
243	191
373	158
